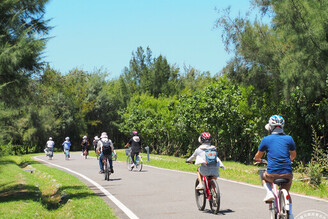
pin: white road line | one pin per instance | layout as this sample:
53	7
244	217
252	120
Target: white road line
241	183
119	204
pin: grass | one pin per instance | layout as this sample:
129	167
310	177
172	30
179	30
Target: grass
233	171
29	189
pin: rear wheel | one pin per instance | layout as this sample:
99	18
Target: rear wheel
215	196
106	170
138	163
284	214
200	197
129	163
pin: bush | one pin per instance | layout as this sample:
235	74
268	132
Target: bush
7	149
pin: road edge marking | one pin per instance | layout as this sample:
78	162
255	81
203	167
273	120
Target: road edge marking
119	204
241	183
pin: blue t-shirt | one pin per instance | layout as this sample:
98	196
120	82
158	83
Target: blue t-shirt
277	147
67	145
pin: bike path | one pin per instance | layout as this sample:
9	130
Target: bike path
162	193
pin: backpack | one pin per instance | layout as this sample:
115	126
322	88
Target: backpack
106	148
210	156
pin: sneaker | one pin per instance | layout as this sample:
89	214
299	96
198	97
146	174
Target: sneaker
112	170
269	197
200	186
101	171
133	165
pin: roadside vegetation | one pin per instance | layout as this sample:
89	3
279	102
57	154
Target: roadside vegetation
29	189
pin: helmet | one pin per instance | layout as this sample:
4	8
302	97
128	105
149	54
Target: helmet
205	137
67	138
50	138
134	133
96	137
85	137
104	135
276	120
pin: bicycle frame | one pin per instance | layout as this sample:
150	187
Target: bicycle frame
277	193
207	188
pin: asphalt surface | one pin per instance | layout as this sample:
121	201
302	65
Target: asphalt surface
161	193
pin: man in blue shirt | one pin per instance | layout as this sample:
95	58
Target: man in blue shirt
281	151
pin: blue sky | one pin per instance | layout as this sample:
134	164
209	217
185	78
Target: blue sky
102	34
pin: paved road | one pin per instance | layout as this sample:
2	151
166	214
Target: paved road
161	193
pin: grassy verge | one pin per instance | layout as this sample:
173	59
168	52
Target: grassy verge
233	170
29	189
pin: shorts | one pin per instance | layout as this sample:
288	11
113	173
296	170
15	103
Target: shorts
209	171
269	177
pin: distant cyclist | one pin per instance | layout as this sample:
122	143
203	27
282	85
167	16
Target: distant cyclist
135	143
95	142
49	146
85	145
105	148
281	151
206	155
67	146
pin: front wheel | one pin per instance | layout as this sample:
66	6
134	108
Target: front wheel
200	197
272	209
215	196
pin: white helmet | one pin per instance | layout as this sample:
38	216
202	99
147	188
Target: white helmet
275	121
67	138
104	135
96	138
85	137
50	138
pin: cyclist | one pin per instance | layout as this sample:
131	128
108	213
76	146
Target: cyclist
135	143
202	156
281	151
49	146
95	142
67	146
85	144
105	148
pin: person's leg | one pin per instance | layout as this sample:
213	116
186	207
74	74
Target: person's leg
111	163
101	162
200	180
267	182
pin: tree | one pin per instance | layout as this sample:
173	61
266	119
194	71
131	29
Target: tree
22	31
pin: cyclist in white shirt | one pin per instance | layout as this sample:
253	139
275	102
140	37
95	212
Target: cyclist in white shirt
50	146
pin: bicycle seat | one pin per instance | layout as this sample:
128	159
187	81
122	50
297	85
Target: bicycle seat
280	181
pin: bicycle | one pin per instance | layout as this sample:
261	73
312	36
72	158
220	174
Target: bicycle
106	167
85	153
137	161
49	153
210	192
66	152
279	207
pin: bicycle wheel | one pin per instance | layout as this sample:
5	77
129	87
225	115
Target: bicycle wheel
200	197
272	209
284	214
215	196
129	163
138	162
106	169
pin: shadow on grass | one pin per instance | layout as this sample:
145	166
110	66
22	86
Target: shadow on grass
22	192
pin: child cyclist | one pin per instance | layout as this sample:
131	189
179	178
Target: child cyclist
67	146
206	155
